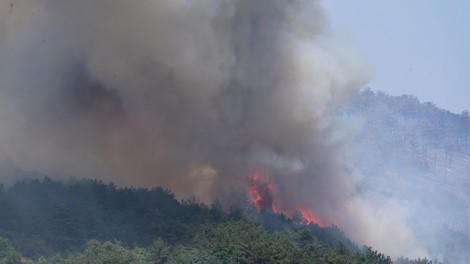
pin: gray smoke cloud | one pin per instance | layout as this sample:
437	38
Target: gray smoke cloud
193	96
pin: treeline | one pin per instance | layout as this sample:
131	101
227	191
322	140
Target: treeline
88	221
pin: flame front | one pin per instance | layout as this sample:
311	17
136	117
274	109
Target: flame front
261	190
262	196
309	217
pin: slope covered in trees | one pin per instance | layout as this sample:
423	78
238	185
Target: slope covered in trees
430	137
417	155
409	151
46	221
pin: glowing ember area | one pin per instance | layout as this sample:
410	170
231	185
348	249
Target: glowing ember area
261	190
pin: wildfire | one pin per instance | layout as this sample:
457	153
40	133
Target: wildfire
309	217
261	190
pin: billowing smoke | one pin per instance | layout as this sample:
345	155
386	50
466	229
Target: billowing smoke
189	95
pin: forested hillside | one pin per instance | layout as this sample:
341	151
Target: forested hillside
417	155
46	221
410	152
432	137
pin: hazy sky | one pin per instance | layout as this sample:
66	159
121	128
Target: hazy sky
419	47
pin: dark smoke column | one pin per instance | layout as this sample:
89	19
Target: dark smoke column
190	95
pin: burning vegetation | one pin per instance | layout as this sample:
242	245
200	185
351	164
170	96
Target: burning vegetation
262	192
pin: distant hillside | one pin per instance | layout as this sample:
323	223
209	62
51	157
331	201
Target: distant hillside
431	137
418	155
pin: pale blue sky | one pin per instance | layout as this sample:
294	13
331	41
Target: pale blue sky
419	47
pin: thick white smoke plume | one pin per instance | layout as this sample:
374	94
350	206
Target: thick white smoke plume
190	95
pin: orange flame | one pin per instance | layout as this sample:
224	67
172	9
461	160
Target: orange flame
261	191
309	217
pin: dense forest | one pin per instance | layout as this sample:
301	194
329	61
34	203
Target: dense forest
88	221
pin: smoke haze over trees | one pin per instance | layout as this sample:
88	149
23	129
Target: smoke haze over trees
195	96
415	155
42	217
188	95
